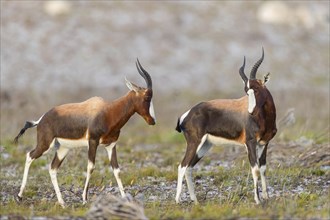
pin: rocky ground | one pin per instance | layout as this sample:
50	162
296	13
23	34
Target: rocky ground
159	189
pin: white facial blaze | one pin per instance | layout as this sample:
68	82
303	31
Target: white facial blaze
252	100
152	111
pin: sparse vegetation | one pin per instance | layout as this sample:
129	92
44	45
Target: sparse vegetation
224	192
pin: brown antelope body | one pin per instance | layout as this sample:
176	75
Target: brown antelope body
248	121
90	124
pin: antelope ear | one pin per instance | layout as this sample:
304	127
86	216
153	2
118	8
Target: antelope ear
266	78
131	86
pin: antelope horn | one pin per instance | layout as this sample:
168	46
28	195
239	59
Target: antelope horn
256	66
241	72
144	74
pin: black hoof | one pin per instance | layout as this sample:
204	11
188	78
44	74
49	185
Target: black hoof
18	199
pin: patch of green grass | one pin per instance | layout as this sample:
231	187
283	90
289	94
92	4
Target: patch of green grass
319	137
150	171
318	172
302	128
169	161
170	175
140	176
42	208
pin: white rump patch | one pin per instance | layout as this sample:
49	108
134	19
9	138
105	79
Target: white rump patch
252	100
152	111
184	116
35	123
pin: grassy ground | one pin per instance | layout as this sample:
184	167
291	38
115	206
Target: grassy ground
149	171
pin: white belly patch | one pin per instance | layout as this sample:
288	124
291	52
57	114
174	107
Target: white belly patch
71	143
220	141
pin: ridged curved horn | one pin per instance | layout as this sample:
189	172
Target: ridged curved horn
256	66
241	72
144	74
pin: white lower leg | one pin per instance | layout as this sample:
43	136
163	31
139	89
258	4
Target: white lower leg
28	162
90	168
120	184
181	172
264	182
53	176
190	184
255	171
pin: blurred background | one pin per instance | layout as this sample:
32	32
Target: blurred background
55	52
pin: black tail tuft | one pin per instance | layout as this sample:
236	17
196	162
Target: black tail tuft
27	125
178	127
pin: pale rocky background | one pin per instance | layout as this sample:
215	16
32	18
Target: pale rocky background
54	52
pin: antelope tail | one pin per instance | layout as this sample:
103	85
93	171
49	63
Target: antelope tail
178	127
28	124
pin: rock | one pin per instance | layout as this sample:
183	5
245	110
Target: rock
111	207
274	12
57	8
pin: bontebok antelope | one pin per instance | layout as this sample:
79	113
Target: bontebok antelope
90	124
248	121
